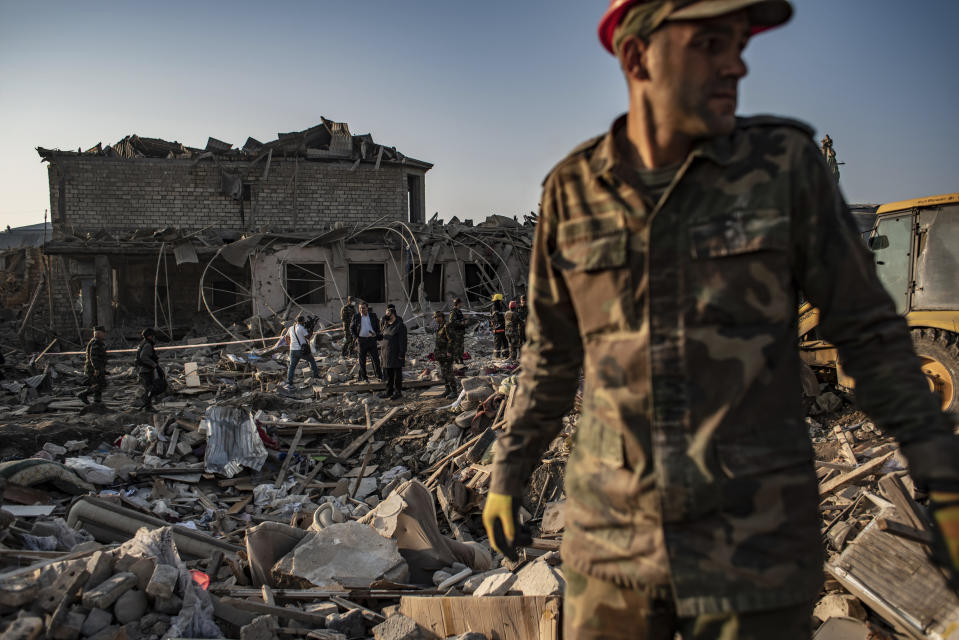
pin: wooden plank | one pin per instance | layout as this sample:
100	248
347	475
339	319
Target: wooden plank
289	456
904	531
373	386
29	511
280	612
173	440
513	617
367	435
845	447
895	491
867	469
240	506
190	369
327	426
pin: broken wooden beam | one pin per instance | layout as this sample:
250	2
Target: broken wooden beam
354	446
860	472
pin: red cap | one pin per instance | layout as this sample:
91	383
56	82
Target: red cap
764	14
611	19
512	304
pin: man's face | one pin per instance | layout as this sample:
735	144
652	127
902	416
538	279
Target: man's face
99	335
694	71
363	309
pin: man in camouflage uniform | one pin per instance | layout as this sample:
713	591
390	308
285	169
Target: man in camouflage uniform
513	326
95	367
442	352
497	324
457	331
523	312
346	317
668	262
149	371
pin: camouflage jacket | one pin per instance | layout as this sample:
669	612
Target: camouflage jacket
346	313
457	322
523	313
442	344
511	321
692	464
96	357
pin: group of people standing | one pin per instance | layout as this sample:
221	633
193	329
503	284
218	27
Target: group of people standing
509	326
149	372
384	342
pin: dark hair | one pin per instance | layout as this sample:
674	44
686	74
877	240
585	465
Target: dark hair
301	318
148	332
99	327
391	306
458	301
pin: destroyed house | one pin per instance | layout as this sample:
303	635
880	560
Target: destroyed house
148	232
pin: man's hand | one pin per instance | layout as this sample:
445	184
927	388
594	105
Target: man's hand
945	511
499	518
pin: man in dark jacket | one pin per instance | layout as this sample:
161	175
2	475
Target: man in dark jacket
148	369
497	323
457	330
366	329
393	331
95	367
346	317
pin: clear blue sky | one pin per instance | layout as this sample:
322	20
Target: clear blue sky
493	93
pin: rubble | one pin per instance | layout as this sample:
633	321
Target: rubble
253	510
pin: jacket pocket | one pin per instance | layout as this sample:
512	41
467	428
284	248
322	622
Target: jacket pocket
739	272
593	255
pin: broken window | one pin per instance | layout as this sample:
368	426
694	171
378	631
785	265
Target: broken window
432	282
480	282
306	282
368	282
415	192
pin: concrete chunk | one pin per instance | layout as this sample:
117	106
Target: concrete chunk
69	626
352	624
96	620
100	567
26	628
262	628
495	585
130	606
163	581
398	627
538	579
347	549
104	595
839	605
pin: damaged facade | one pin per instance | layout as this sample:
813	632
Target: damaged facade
154	233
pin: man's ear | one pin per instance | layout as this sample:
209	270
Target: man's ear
633	58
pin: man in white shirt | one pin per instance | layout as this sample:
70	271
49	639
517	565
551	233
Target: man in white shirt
366	328
299	339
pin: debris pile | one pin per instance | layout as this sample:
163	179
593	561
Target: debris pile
245	508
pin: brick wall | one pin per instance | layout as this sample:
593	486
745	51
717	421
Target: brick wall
92	193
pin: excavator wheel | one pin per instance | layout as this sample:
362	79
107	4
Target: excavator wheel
938	351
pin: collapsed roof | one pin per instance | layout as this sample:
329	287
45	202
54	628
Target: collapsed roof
326	141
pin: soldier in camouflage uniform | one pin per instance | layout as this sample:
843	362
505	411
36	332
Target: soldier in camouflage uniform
513	326
442	352
497	324
667	264
95	367
457	330
523	312
346	317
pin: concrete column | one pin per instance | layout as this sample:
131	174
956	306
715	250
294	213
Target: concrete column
104	291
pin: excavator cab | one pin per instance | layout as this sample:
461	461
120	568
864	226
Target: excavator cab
916	247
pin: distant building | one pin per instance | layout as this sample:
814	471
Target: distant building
150	232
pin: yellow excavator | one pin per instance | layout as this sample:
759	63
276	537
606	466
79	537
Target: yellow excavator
916	246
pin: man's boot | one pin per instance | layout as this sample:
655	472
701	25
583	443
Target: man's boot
83	397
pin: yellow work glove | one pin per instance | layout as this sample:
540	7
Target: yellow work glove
501	522
945	511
